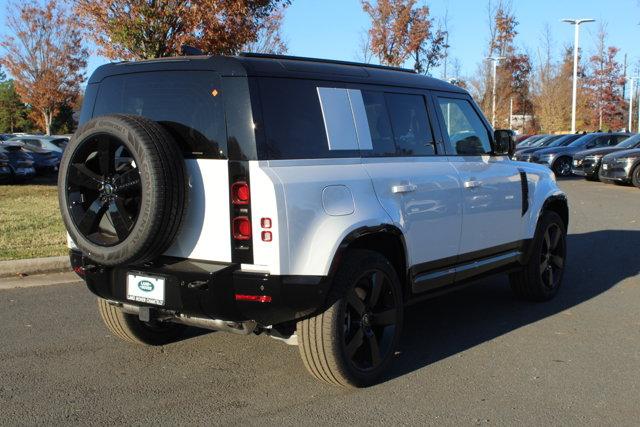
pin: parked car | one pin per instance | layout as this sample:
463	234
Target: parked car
530	141
587	163
6	175
20	162
323	197
523	137
44	161
40	141
5	136
526	154
621	166
560	159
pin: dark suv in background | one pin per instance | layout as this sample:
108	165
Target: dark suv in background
560	159
587	163
621	166
525	154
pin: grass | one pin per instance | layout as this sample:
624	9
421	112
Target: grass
30	223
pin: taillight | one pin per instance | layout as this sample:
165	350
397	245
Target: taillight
240	193
241	228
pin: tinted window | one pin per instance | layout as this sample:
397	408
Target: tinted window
466	132
188	104
379	124
630	142
601	141
293	122
410	125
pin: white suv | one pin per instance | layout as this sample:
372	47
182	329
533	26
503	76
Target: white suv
306	199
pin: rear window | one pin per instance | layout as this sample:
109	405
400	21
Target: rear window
188	104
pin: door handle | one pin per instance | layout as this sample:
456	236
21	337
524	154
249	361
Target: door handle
404	188
472	184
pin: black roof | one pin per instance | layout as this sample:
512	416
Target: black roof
250	65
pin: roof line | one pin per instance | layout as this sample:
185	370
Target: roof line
324	61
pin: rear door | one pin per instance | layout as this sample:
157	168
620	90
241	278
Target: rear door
189	104
413	181
491	185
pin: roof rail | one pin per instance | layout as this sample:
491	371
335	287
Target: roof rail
323	61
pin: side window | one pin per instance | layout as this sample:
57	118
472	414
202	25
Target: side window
379	124
410	125
618	139
294	124
601	141
33	142
467	134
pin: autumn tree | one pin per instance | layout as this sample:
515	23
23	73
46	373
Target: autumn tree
269	38
400	30
45	55
605	86
143	29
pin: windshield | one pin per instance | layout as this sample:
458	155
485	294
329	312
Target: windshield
630	142
564	140
530	142
582	141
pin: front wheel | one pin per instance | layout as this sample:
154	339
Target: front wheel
541	277
353	342
635	176
562	166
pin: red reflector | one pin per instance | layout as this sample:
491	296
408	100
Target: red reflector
265	222
241	228
240	193
266	236
79	270
253	298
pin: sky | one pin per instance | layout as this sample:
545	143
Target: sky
333	28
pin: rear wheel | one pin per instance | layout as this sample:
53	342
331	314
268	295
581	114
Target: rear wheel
129	328
562	166
541	277
353	342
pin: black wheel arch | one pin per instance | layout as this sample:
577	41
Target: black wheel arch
387	239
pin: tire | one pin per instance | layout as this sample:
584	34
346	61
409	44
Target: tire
635	176
122	189
129	328
540	279
562	166
338	345
593	178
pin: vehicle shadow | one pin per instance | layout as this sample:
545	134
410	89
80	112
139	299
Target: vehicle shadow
448	325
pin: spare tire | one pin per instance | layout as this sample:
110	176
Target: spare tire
122	189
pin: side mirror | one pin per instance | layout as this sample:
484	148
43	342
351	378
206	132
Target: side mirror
504	142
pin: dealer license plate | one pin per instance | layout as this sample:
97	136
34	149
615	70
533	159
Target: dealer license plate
145	289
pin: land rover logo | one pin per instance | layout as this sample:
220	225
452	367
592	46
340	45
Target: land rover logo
145	286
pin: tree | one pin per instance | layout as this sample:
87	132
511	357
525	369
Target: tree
143	29
605	82
45	55
269	38
400	30
13	113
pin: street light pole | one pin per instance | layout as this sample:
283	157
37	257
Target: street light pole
576	44
631	91
495	60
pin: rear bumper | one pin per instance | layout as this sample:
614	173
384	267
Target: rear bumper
211	290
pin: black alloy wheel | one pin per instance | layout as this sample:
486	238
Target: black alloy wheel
552	257
370	318
635	176
562	166
103	190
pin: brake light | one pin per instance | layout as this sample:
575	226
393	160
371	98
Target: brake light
253	298
240	193
241	228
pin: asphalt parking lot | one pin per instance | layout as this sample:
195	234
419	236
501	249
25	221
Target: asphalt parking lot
477	356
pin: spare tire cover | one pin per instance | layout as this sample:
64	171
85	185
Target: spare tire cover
122	189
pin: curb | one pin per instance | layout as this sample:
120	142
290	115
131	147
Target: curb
34	266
